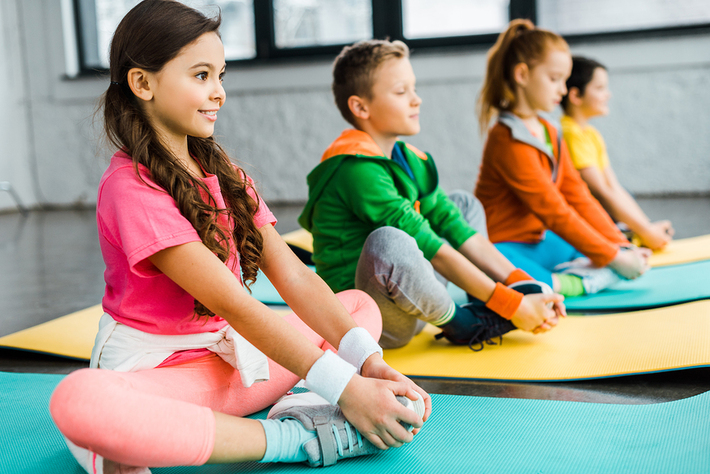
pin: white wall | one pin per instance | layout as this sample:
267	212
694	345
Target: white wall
279	118
15	156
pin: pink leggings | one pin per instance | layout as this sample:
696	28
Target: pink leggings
163	416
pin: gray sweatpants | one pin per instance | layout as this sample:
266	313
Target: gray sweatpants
394	272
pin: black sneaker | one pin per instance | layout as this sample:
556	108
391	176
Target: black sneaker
473	325
528	287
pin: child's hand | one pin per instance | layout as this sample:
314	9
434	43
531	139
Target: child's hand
658	235
630	263
377	368
665	226
535	313
369	404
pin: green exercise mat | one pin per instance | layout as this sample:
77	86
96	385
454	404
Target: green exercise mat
463	435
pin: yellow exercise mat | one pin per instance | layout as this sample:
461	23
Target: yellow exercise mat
680	251
638	342
69	336
300	238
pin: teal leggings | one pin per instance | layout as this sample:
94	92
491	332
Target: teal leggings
539	259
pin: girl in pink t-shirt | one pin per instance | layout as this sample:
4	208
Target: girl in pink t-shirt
190	352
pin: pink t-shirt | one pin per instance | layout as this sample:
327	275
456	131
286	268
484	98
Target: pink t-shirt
136	221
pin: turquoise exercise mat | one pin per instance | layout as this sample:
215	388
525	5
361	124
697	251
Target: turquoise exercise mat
265	292
661	286
463	435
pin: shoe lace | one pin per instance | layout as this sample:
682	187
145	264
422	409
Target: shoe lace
349	434
485	334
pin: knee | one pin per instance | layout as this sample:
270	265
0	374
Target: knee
471	208
364	310
465	200
389	244
71	404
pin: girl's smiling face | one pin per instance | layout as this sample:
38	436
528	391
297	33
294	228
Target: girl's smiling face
187	92
543	85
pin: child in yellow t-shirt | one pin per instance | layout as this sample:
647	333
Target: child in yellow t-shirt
588	96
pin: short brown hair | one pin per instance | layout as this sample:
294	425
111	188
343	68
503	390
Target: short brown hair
354	70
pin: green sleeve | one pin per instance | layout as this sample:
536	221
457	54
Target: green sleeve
446	218
369	191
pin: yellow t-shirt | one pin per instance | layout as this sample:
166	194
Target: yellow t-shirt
586	145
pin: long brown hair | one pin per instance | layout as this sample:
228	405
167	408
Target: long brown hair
149	36
522	42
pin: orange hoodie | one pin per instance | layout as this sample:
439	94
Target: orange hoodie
526	191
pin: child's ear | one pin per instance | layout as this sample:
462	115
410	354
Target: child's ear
574	97
358	107
138	81
521	73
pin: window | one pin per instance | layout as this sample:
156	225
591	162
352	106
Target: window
427	19
605	16
268	29
99	19
321	22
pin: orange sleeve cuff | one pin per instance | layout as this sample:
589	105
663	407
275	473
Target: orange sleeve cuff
516	276
504	301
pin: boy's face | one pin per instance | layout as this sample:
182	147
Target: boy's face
394	104
595	100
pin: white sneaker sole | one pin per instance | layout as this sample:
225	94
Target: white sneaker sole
415	405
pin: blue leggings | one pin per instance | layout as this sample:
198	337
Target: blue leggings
539	259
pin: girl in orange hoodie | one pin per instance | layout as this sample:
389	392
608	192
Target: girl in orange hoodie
540	213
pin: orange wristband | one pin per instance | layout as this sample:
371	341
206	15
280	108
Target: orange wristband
516	276
504	301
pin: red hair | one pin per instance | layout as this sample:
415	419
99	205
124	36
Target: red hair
522	42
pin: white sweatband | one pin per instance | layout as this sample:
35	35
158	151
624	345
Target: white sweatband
356	346
328	376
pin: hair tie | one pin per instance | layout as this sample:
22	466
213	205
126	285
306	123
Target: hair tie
114	83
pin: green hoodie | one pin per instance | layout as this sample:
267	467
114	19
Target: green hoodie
355	190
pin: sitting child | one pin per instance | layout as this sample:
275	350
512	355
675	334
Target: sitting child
587	97
381	223
540	213
183	352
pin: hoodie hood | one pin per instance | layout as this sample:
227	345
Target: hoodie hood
353	142
520	132
350	144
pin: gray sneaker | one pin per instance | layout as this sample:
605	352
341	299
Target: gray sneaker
336	438
594	279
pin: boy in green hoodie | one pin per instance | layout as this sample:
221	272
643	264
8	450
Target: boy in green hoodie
381	223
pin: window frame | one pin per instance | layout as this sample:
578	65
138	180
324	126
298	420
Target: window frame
387	22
